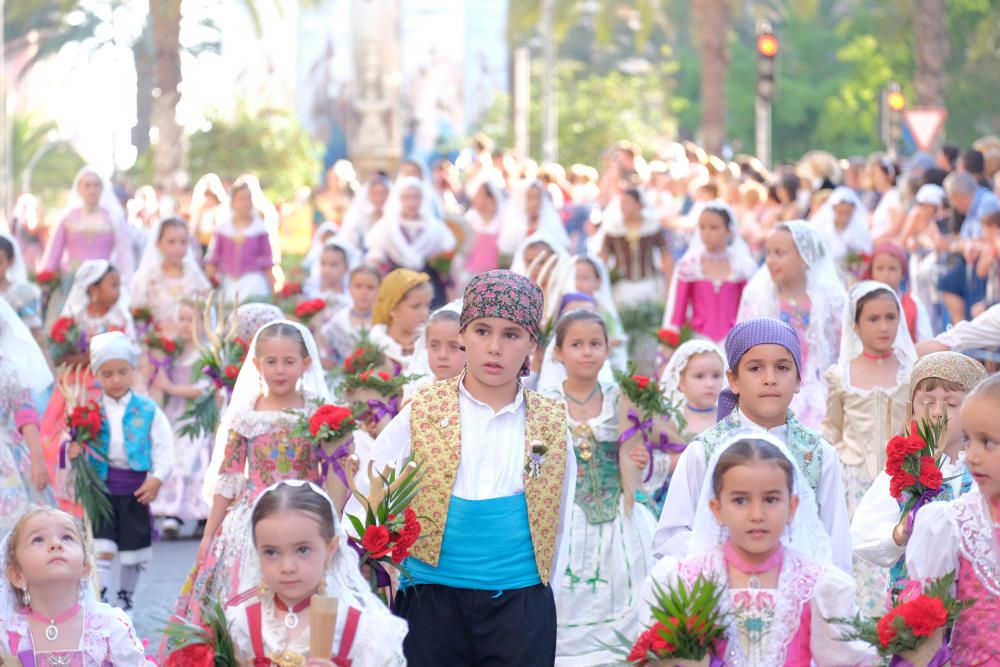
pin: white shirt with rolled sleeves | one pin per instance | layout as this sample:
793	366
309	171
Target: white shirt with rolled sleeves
983	331
161	436
492	464
674	527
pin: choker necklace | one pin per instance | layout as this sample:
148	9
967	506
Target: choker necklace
701	411
597	387
715	256
877	357
51	631
292	615
737	561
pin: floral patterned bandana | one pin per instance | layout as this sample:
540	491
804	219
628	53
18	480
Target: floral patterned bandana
250	317
952	366
506	295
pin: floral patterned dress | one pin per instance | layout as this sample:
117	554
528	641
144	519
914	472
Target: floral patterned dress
16	411
260	443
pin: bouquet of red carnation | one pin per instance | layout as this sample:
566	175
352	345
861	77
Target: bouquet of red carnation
169	347
66	338
307	310
329	429
48	282
647	419
912	632
288	296
206	645
687	627
441	263
365	356
390	527
83	424
857	262
143	319
670	338
221	357
913	463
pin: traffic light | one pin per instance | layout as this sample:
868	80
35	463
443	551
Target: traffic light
893	103
767	51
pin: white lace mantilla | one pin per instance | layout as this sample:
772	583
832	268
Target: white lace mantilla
977	536
796	585
100	641
256	423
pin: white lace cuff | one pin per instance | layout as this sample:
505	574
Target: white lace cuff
230	485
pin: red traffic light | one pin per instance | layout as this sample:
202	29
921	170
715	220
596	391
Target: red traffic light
767	45
896	100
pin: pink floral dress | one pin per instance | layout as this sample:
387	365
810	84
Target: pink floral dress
260	443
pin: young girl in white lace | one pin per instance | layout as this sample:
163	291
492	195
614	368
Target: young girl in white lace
253	449
866	405
799	286
757	531
328	278
48	611
609	533
962	536
693	380
97	302
168	272
341	331
301	551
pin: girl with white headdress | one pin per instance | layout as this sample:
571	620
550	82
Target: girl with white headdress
590	276
692	380
167	273
241	256
254	448
486	219
23	296
799	286
209	203
866	404
92	227
328	276
757	533
632	240
711	275
409	235
323	233
367	208
531	211
273	617
842	222
48	611
24	476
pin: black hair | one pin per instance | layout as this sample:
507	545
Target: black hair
888	167
574	316
951	152
746	451
7	248
104	275
295	498
791	184
592	262
282	330
634	194
934	176
973	162
336	248
172	221
722	212
879	293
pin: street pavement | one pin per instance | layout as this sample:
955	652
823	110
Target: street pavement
159	586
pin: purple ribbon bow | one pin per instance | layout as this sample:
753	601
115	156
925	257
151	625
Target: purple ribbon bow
381	576
941	658
664	444
377	409
332	461
925	497
163	364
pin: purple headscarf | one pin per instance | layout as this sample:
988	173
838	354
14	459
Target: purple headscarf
760	331
570	297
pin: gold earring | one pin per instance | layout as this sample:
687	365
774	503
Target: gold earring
322	587
262	590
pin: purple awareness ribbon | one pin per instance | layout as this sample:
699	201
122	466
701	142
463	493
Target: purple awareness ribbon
332	461
926	497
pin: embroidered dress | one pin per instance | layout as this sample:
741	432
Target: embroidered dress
259	452
962	536
243	257
782	626
16	411
108	640
162	293
609	545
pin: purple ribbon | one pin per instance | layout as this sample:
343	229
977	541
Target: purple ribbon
377	409
332	461
926	497
941	658
163	364
664	444
381	576
82	342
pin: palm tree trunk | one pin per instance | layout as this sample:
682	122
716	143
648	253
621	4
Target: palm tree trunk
165	18
145	81
710	19
930	33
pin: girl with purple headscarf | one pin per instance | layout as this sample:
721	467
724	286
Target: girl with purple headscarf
765	362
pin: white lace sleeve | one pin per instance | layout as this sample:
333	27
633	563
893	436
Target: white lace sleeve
124	647
874	520
230	485
379	641
834	597
932	551
677	517
239	632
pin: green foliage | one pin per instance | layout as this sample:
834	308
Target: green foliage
54	170
270	143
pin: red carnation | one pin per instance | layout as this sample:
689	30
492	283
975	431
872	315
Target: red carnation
169	346
192	655
384	376
669	337
642	646
924	615
46	276
349	364
930	474
242	343
232	372
365	375
399	553
332	416
900	482
641	381
886	632
376	541
61	327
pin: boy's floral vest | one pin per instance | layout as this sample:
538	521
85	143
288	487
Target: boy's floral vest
136	424
436	442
